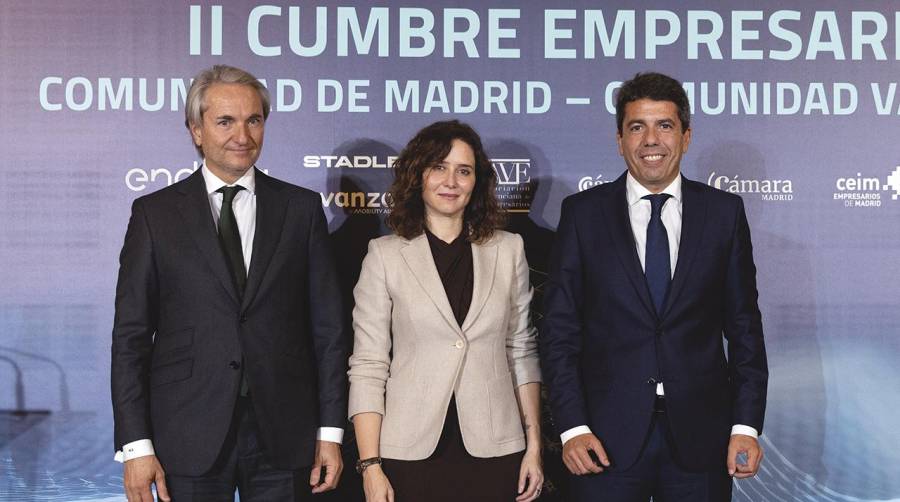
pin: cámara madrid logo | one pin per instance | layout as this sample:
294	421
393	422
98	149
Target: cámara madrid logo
770	190
588	182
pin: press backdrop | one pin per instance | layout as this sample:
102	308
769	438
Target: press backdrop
796	109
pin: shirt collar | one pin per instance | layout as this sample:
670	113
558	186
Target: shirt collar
213	183
634	191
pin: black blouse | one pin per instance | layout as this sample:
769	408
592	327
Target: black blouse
454	266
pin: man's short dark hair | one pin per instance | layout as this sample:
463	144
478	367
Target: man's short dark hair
657	87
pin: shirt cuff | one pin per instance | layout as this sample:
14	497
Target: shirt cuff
135	449
745	430
332	434
574	431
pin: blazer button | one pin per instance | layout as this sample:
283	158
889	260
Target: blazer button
459	344
235	365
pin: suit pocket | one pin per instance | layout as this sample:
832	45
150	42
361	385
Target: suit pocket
172	372
506	425
173	340
402	412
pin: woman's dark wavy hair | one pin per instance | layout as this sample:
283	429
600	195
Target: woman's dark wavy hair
429	147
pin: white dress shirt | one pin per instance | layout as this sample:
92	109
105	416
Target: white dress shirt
244	208
639	214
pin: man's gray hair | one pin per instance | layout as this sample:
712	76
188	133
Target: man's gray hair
195	104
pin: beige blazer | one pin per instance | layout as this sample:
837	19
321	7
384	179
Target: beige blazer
410	355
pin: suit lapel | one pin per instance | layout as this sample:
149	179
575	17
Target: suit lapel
693	219
270	213
484	262
615	209
417	255
195	210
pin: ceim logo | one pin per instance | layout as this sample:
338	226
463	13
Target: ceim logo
866	191
893	183
782	190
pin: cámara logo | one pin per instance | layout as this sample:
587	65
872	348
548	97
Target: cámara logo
772	190
588	182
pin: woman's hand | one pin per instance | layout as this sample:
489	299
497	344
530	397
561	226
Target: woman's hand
376	485
531	476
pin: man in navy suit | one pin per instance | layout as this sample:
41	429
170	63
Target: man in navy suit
650	274
229	352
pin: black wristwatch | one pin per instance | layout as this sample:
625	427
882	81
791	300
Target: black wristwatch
362	464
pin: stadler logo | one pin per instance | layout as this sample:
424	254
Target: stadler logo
514	190
588	182
348	161
358	202
866	191
771	190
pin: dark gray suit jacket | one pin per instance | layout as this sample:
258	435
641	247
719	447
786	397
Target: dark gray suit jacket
182	336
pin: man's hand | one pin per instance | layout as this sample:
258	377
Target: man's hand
741	443
142	472
328	457
577	458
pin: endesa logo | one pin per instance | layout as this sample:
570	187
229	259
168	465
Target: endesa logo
138	179
770	190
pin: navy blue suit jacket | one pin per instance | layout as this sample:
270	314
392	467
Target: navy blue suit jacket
181	330
604	347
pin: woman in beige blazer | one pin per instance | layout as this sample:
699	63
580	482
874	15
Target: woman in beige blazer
444	377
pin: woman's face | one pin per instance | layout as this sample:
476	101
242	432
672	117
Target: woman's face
447	186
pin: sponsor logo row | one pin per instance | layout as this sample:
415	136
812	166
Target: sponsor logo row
857	190
515	188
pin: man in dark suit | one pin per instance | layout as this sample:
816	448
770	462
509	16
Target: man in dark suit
648	273
229	353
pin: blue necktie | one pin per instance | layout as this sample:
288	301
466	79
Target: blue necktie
657	267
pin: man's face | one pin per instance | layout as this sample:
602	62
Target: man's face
652	142
231	130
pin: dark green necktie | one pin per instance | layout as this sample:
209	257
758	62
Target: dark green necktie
230	238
